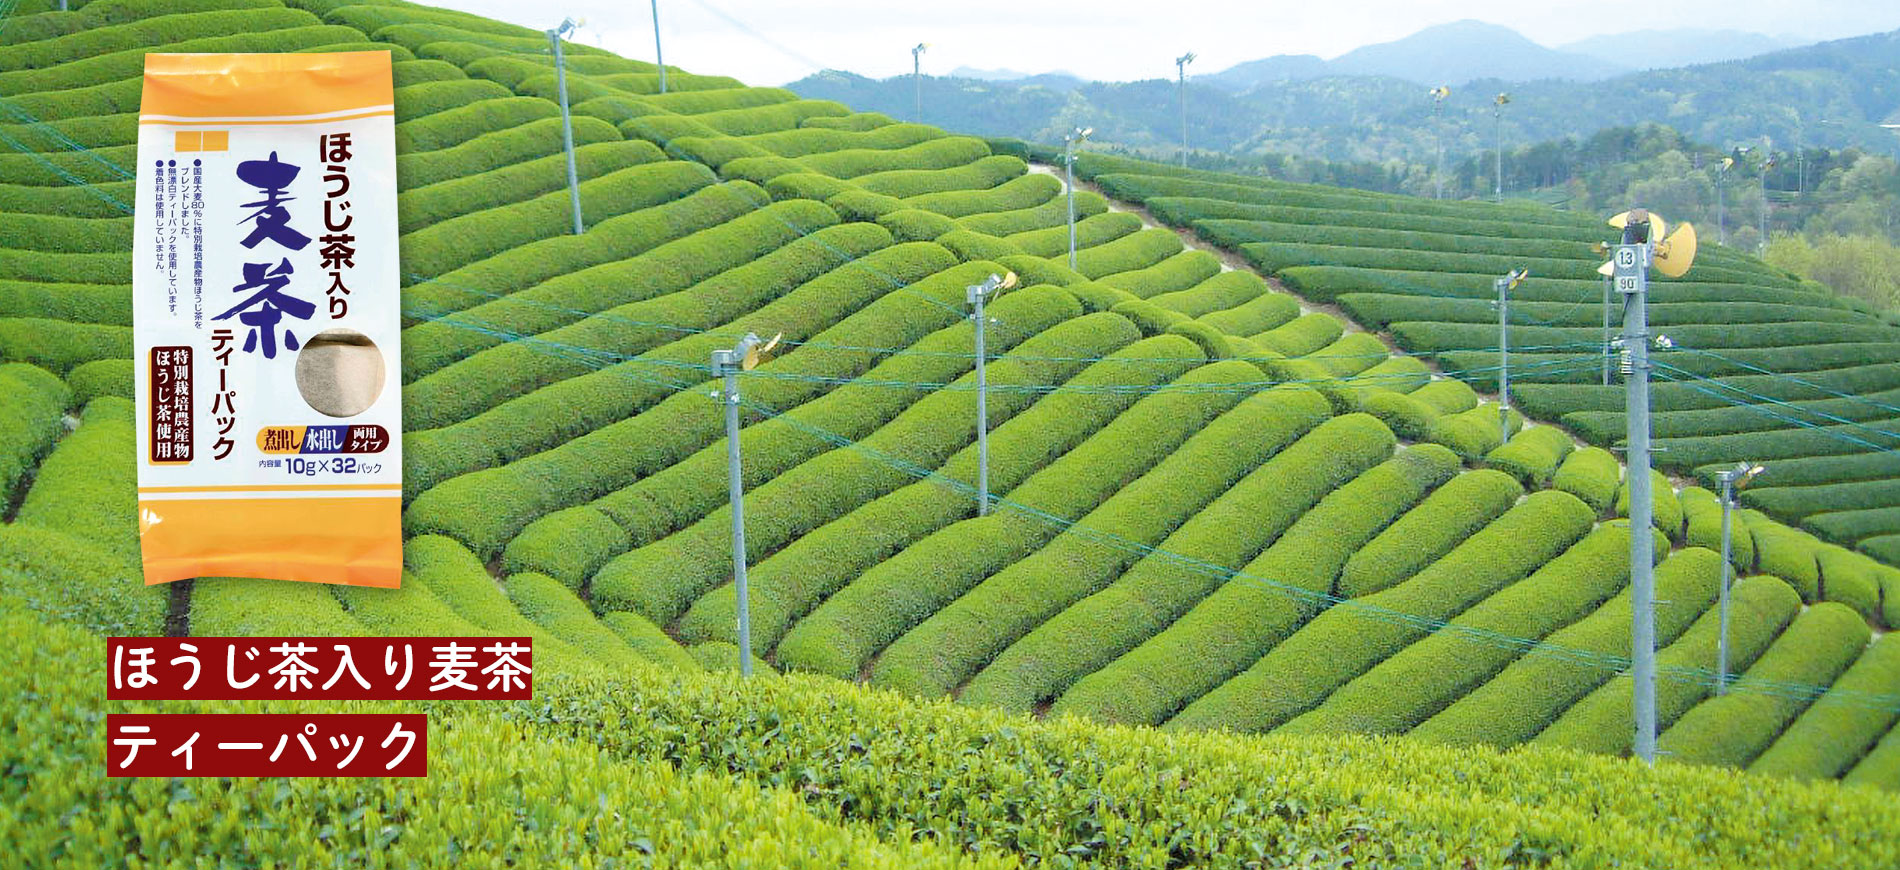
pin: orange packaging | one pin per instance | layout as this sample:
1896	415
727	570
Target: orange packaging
266	319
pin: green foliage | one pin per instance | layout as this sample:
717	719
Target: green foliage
1591	474
1532	691
1212	342
1302	335
1050	213
87	486
971	246
149	32
1451	514
1474	434
946	152
1784	552
1053	241
456	242
30	422
1665	508
106	377
976	175
248	607
1346	640
419	208
1836	731
1448	396
916	225
1153	319
1428	676
64	576
968	191
1178	272
1702	514
1226	292
950	646
1408	417
1737	727
1760	607
457	126
500	149
552	606
1138	250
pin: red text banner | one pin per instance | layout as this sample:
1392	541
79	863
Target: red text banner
267	744
330	668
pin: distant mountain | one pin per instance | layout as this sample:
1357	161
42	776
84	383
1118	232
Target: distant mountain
1663	49
1278	68
988	75
1464	51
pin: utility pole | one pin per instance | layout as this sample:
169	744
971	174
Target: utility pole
1497	112
1768	162
1438	133
567	120
1503	286
1068	161
728	364
917	77
1631	268
659	60
1180	65
1731	478
1721	200
1609	349
977	295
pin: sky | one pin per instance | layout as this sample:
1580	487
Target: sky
769	43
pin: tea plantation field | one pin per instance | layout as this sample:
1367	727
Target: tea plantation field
1241	546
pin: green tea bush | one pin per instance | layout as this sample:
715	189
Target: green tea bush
150	32
1153	319
942	153
916	225
809	140
419	208
1266	311
1302	335
59	346
1813	470
1181	211
1348	639
1234	233
1050	213
1532	691
454	127
1329	283
1799	501
1053	242
970	246
1158	589
543	600
1212	342
855	122
1422	679
1407	417
1533	456
74	201
500	149
1881	767
415	72
1771	447
1605	427
1760	607
1836	731
1441	337
23	26
948	648
51	169
648	641
1222	291
128	65
1702	518
1451	514
450	244
704	102
1737	727
64	576
487	508
1790	554
1176	273
1666	508
1592	474
525	267
415	36
30	422
1050	447
81	268
796	579
87	485
1474	434
806	185
247	607
978	175
106	377
408	610
1137	250
1447	396
1852	579
960	199
862	205
570	410
428	98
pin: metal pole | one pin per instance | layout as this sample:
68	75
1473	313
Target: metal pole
1721	646
1181	68
727	363
1721	206
976	294
1608	349
1631	269
1497	194
1068	160
917	77
659	60
567	126
1504	358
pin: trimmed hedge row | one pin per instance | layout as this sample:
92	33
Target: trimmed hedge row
421	207
24	27
1053	242
1836	731
1770	447
986	173
1384	308
1734	729
247	607
526	267
1606	427
1417	682
544	601
487	508
916	225
82	268
87	486
1441	337
1533	690
1145	601
1759	608
1799	501
959	201
66	577
29	423
1328	283
1854	579
459	580
1475	433
38	170
1592	474
150	32
371	18
106	377
428	98
945	152
1065	467
1850	527
409	610
1346	640
1052	212
647	310
514	145
794	580
571	409
1220	292
646	83
72	200
1235	233
456	242
1881	767
1140	184
1137	250
1666	508
457	126
1302	335
1702	515
1533	455
1186	210
1275	256
950	646
856	121
58	346
110	84
574	543
1814	470
1176	273
1453	513
1265	312
1785	552
1238	621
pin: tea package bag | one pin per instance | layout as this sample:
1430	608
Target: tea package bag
267	317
